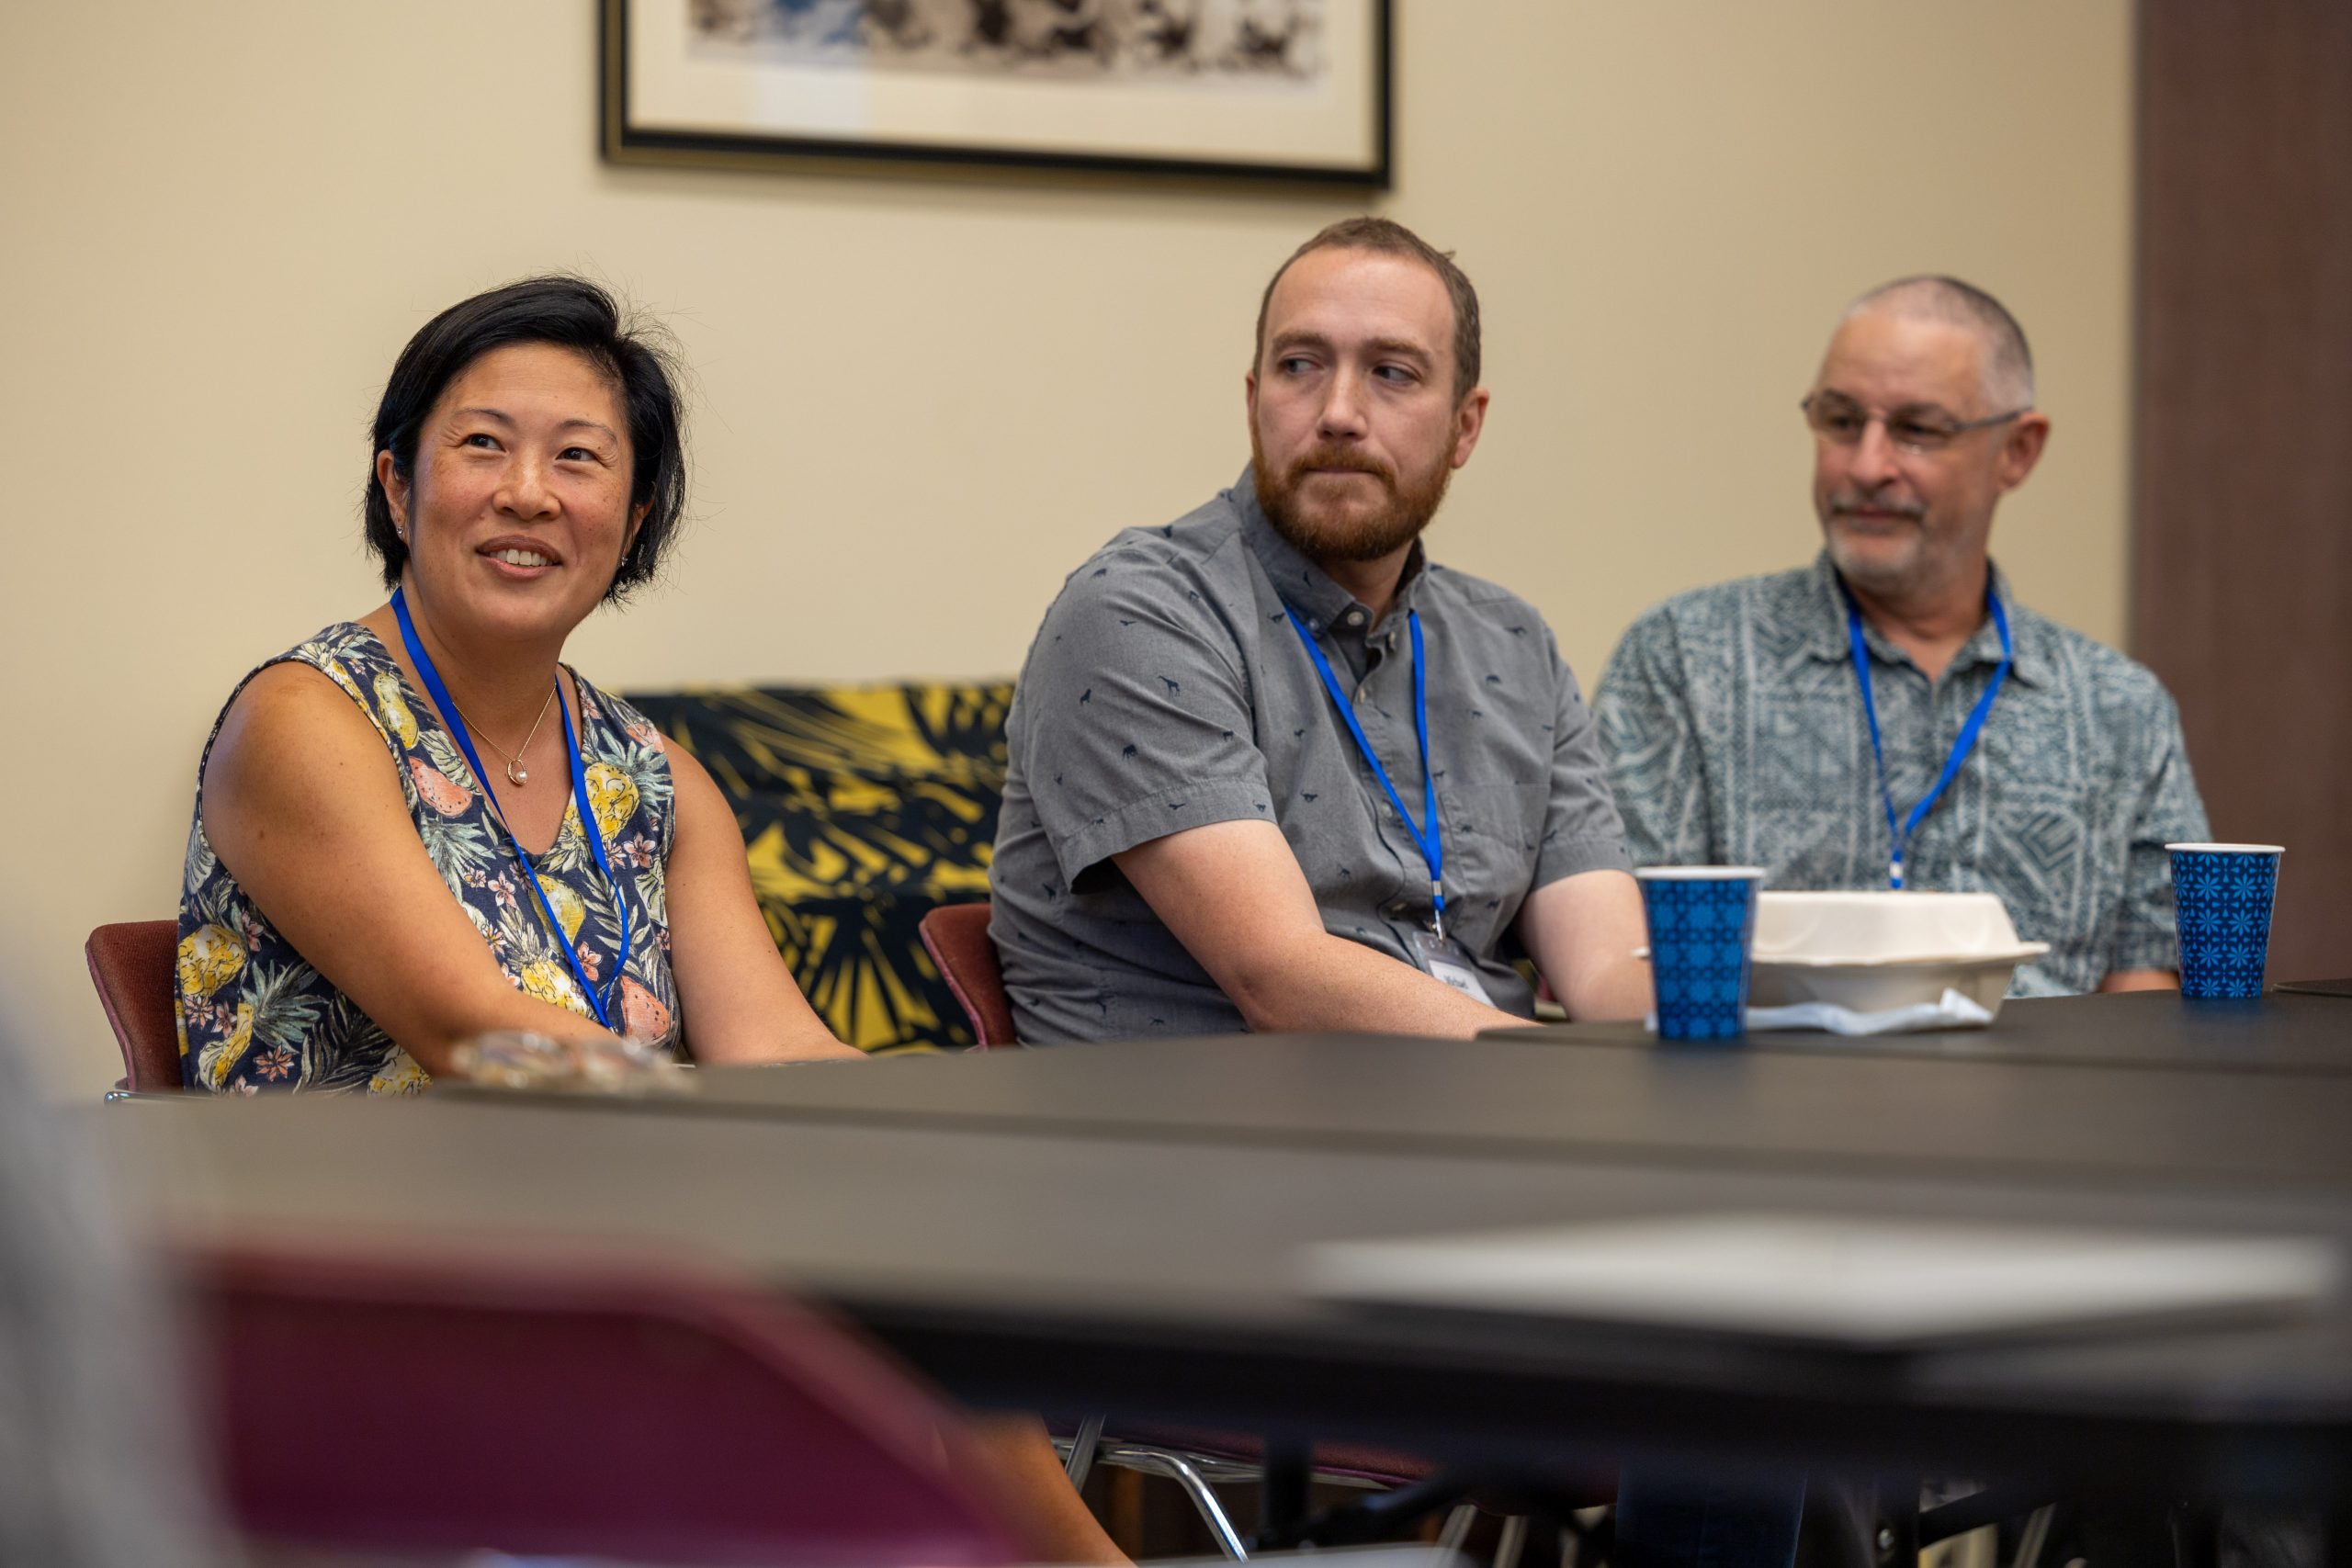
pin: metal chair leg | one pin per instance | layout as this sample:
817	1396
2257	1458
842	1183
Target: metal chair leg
1081	1451
1175	1467
1512	1542
1591	1532
1458	1524
2034	1537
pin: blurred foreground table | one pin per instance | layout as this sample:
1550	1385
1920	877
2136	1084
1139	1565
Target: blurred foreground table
1122	1227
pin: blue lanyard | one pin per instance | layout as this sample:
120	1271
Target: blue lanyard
1429	835
1900	837
455	724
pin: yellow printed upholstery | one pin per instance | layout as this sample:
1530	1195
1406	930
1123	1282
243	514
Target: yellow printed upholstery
861	807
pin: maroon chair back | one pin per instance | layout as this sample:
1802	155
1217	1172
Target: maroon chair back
131	964
956	936
384	1402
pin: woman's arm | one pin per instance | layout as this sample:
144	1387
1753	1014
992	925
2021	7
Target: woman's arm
735	996
304	808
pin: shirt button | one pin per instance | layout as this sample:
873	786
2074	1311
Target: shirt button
1355	617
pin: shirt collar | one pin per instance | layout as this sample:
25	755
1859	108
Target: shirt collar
1830	641
1303	585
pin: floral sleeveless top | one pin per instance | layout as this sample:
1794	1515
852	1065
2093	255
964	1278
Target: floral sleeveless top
253	1015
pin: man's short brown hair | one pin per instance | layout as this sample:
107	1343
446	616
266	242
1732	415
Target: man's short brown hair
1388	237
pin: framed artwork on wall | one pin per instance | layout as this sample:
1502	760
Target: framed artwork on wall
1282	90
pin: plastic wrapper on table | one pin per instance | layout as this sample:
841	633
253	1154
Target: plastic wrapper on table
514	1059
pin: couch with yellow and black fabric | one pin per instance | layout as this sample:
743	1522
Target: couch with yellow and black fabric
861	807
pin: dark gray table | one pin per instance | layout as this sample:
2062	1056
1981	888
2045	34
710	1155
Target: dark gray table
2288	1031
2337	988
1087	1229
1526	1097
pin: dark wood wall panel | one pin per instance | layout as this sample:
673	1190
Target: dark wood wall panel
2241	582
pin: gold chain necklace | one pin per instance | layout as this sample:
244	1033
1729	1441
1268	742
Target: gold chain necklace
516	773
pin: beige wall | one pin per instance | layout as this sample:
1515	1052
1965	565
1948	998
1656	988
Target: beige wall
923	402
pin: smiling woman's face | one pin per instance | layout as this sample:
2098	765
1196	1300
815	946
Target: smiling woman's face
517	509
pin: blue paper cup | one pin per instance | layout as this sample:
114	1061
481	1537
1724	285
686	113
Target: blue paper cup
1702	929
2222	894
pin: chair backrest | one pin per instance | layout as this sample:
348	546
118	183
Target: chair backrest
654	1410
132	965
956	936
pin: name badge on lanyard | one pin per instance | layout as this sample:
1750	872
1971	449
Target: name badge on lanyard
1440	954
1446	959
1899	834
590	829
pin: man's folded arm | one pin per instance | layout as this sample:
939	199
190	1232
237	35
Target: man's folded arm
1582	932
1233	894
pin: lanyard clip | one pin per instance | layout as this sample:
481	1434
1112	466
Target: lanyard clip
1437	908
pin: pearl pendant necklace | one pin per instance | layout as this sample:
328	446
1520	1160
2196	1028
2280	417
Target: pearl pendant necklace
516	773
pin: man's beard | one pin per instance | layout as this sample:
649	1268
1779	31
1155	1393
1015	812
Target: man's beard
1893	578
1394	524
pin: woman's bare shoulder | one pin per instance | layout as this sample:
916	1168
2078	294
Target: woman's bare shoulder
292	721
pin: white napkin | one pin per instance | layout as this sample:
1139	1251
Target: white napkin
1951	1012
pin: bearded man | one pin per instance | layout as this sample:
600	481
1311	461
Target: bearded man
1272	768
1891	716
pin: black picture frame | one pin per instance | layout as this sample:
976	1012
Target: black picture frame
637	67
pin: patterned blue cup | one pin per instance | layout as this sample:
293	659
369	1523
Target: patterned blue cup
1702	929
2223	893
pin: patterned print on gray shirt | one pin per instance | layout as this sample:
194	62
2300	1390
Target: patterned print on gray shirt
1734	732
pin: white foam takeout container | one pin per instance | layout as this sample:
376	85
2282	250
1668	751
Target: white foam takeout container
1873	952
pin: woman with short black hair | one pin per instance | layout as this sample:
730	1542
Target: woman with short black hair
364	888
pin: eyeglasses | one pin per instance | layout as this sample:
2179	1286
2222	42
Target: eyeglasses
1838	418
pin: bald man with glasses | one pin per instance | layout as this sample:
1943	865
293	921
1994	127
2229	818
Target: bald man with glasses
1891	716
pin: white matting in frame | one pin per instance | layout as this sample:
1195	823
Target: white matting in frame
1277	89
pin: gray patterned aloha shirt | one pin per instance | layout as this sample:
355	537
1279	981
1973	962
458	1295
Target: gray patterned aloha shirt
1735	735
1167	688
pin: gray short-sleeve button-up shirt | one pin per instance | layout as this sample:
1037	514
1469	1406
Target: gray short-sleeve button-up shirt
1735	735
1167	690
